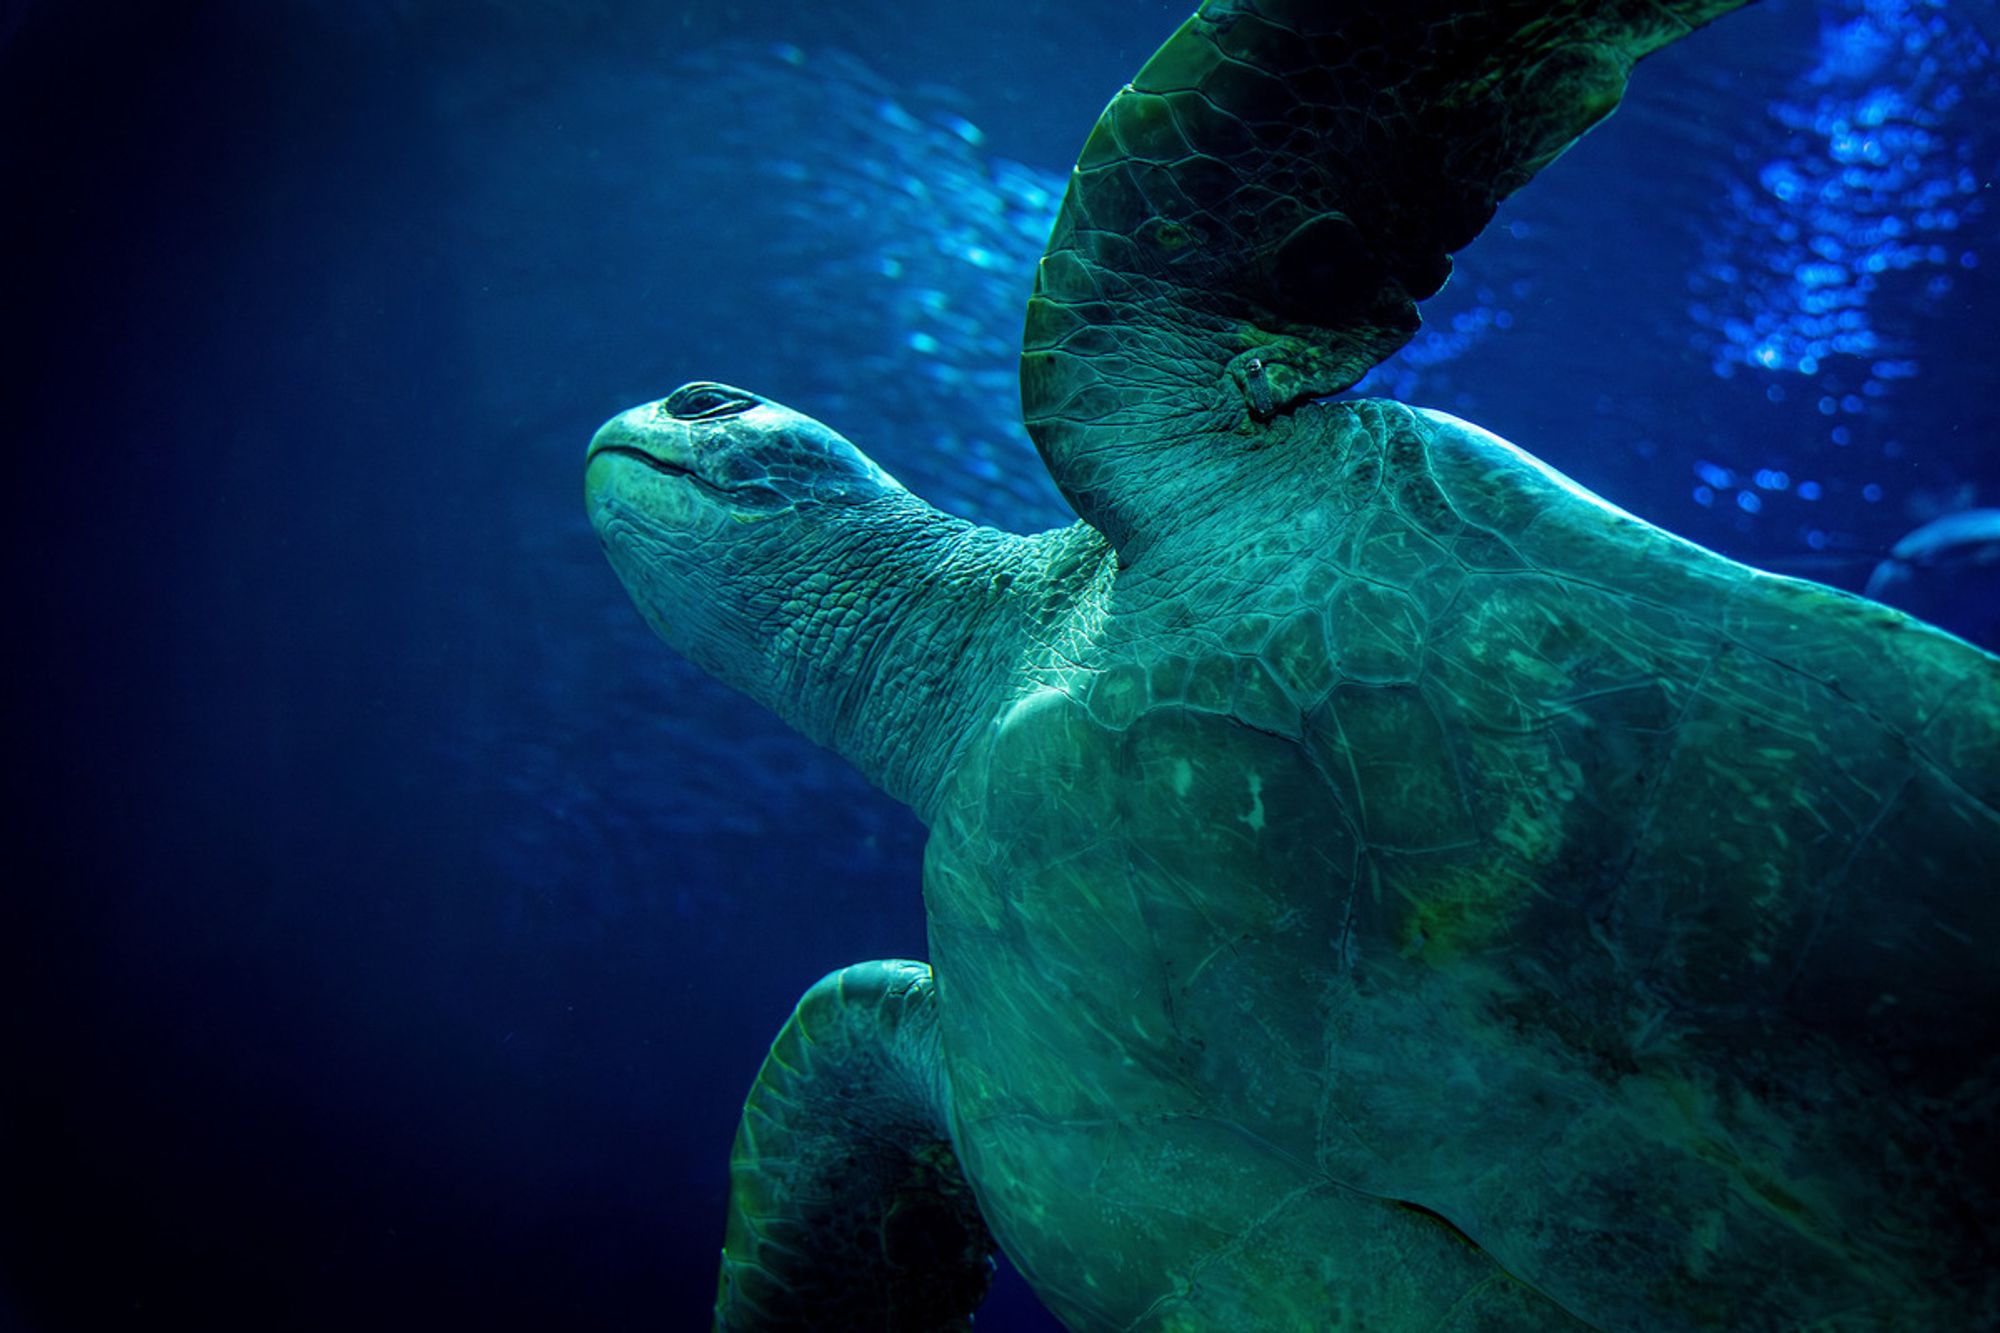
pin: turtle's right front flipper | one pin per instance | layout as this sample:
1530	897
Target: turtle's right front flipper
847	1207
1254	219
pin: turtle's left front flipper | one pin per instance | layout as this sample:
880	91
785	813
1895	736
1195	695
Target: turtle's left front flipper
847	1207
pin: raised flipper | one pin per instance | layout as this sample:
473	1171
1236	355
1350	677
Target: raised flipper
847	1208
1254	219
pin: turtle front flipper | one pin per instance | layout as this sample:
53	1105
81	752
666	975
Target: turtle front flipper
847	1207
1255	217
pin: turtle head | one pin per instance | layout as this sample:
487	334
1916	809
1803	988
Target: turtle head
716	506
710	453
773	554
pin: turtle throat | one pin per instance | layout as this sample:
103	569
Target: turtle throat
900	641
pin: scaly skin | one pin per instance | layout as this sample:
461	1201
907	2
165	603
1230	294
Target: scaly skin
1463	905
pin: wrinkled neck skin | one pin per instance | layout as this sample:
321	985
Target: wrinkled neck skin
886	631
908	631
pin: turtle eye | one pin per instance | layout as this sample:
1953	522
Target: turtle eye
705	402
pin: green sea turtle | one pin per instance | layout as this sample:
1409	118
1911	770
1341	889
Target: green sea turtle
1373	883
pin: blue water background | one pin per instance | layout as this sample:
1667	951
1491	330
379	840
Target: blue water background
390	926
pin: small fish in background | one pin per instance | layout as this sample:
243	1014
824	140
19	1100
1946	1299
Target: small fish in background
1947	572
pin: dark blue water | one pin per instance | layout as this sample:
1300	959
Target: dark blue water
390	926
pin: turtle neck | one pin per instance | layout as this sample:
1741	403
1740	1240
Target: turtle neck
902	626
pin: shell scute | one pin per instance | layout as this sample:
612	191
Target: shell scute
1177	65
1221	135
1420	500
1261	702
1477	549
1118	695
1146	128
1844	642
1212	684
1378	633
1392	742
1168	678
1359	478
1251	39
1299	657
1389	550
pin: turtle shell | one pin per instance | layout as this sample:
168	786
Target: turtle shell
1438	891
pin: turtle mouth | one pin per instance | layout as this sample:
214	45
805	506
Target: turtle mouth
637	455
664	466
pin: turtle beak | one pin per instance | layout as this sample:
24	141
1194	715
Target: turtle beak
646	435
641	463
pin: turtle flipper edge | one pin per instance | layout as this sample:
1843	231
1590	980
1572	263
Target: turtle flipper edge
1255	217
847	1206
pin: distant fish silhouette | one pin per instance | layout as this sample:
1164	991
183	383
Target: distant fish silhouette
1968	538
1947	572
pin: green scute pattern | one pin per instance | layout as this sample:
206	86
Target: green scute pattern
1430	841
